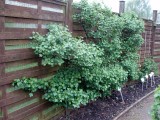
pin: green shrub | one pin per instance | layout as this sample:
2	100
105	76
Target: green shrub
148	66
132	67
63	89
58	47
81	76
156	107
119	37
87	70
105	79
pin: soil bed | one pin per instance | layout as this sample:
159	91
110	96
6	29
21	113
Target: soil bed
110	107
140	111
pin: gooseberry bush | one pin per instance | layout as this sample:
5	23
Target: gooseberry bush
87	70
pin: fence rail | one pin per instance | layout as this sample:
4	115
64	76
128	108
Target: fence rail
18	19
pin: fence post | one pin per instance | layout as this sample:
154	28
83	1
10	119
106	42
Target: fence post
2	74
2	65
153	31
121	6
69	15
155	17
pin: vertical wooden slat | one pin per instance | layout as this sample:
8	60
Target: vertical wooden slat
2	70
69	15
4	109
2	51
2	24
38	12
21	16
155	17
66	13
153	31
2	7
2	42
121	6
2	47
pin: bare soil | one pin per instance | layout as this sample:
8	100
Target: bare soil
141	111
108	108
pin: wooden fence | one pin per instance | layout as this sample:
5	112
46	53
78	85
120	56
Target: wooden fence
18	19
156	49
151	36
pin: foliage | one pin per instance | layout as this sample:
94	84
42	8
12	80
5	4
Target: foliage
81	77
141	7
105	79
148	66
58	46
119	37
156	107
131	42
87	70
132	67
62	89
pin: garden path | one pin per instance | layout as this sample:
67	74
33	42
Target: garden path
141	111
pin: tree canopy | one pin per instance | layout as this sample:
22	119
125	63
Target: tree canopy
141	7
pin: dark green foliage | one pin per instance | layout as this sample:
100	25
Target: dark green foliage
148	66
58	47
105	79
119	37
87	71
132	67
141	7
156	107
64	88
81	77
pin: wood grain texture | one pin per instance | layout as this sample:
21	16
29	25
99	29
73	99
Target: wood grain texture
18	19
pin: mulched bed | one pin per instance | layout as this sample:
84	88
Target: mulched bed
110	107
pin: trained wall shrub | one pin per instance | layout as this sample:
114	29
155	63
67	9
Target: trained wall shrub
87	70
81	76
118	36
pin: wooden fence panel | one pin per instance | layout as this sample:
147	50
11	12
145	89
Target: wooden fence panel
151	36
145	50
156	54
18	19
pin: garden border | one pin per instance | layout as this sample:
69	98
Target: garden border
133	105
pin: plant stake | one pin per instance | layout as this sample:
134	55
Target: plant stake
150	75
142	80
146	76
153	78
120	90
67	112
